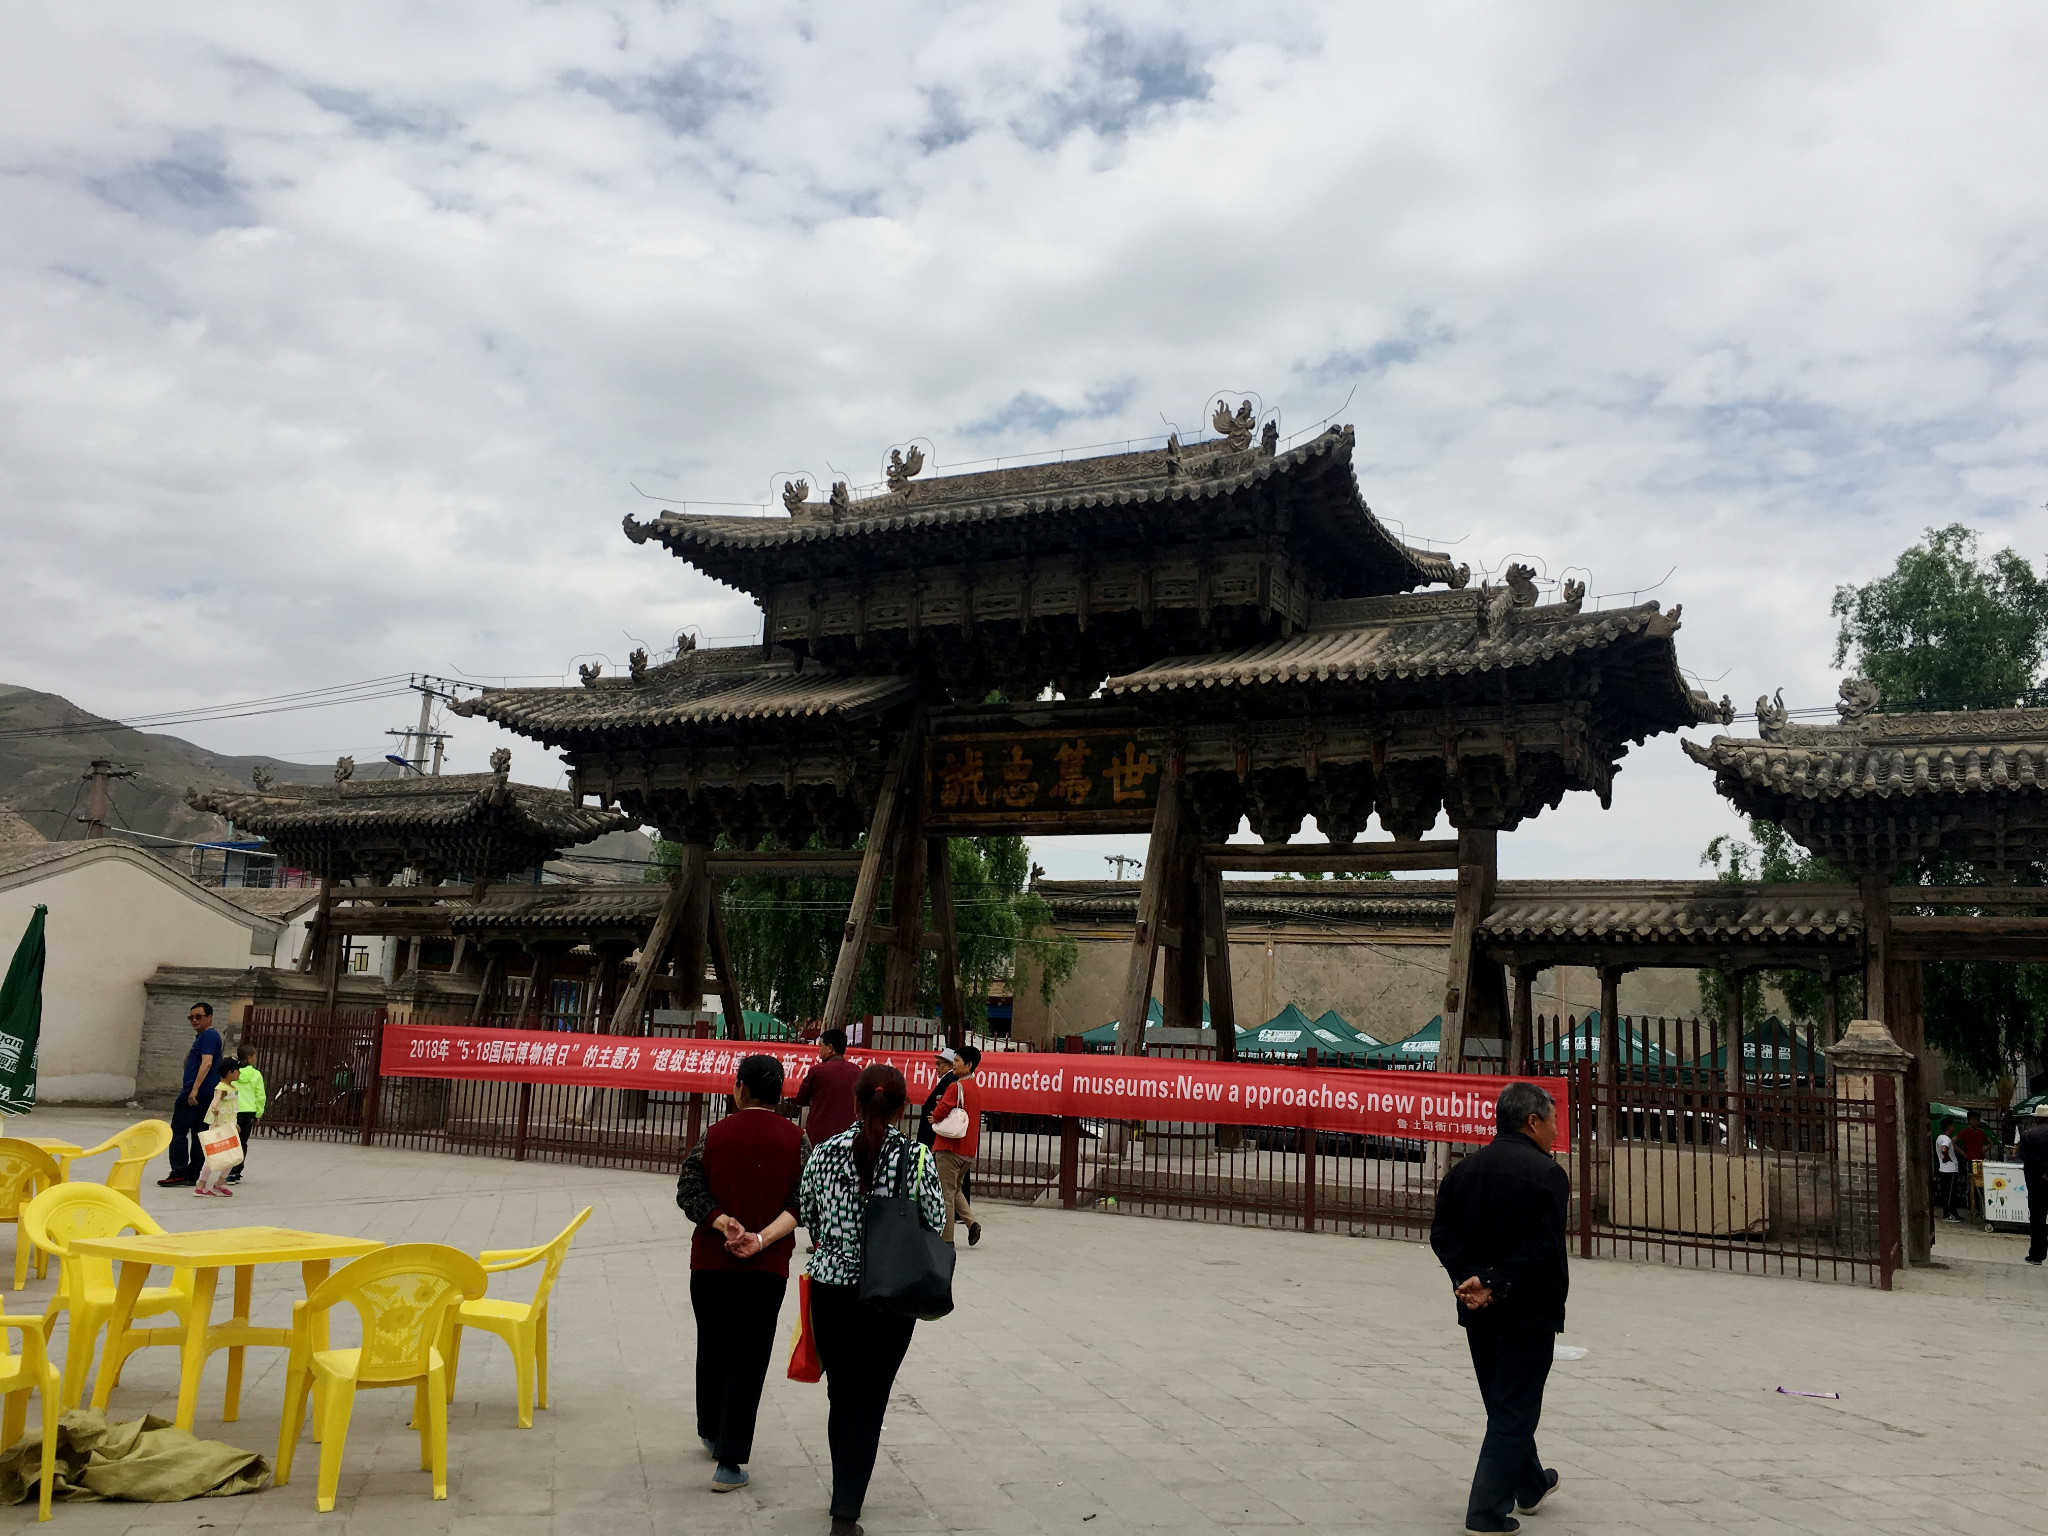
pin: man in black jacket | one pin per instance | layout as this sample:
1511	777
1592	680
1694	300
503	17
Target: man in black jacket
2034	1163
1499	1231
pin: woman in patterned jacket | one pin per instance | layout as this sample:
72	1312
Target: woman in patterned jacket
859	1347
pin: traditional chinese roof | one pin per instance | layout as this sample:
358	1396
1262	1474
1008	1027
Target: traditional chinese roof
581	911
1386	647
1662	911
1369	903
1878	791
479	824
723	686
1148	500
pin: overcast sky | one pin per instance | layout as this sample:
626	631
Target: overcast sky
336	342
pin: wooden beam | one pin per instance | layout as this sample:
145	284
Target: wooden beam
1180	933
728	979
867	886
1216	940
692	933
1519	1059
494	966
407	895
1166	819
1877	913
1478	865
1331	858
626	1017
939	876
316	930
1908	924
1995	947
1969	895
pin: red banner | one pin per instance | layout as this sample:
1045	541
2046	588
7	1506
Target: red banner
1419	1106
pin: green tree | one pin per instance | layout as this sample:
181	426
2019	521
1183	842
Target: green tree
785	934
1946	630
1776	859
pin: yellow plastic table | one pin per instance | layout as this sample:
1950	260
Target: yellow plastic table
206	1254
61	1151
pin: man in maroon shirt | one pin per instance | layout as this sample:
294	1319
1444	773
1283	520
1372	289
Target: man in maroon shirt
737	1185
827	1091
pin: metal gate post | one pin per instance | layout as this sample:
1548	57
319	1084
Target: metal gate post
1070	1142
1891	1254
1308	1162
1582	1119
525	1114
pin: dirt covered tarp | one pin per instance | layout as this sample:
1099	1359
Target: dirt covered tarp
146	1461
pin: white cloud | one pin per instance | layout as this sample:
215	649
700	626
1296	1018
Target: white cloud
333	344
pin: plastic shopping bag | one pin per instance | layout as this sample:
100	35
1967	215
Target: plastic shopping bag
804	1364
223	1148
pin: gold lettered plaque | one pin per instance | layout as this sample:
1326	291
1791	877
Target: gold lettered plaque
1036	778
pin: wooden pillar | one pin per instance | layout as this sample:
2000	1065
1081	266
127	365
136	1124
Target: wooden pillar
867	886
693	925
1876	901
317	935
1520	1054
1831	1005
901	982
1159	864
540	985
1468	1006
939	876
728	979
1731	1029
1216	950
1180	986
626	1017
494	969
1907	1025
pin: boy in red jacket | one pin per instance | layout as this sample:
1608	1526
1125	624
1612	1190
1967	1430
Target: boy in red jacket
958	1113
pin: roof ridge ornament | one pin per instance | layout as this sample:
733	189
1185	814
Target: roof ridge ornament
1771	717
1235	429
260	777
590	672
1858	696
842	500
344	770
794	494
1574	595
636	664
903	469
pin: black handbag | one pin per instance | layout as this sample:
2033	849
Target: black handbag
906	1269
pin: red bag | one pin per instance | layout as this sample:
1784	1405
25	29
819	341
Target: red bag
804	1364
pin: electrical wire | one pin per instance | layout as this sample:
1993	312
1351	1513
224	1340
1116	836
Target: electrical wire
364	691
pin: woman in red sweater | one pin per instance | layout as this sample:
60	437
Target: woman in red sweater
739	1185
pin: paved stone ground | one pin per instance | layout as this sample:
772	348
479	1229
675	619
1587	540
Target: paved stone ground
1114	1374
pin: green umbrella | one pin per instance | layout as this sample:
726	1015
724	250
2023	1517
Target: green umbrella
1772	1049
760	1026
21	1019
1155	1016
1290	1034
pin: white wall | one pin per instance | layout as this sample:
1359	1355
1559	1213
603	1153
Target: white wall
112	922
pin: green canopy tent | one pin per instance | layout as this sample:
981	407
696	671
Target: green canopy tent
1337	1024
1290	1034
1583	1044
1417	1053
21	1019
760	1026
1155	1018
1772	1049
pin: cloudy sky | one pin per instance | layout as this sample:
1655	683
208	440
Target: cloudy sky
335	343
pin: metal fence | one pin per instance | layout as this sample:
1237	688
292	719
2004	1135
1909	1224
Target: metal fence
1672	1160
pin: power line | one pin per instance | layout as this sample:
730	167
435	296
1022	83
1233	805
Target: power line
363	691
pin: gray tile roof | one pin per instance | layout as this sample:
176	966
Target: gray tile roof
1882	757
699	688
452	802
1035	500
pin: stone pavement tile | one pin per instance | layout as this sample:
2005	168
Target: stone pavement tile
1071	1383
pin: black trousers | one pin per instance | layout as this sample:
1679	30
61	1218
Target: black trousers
2037	1220
736	1312
1512	1368
187	1121
1951	1188
245	1127
861	1350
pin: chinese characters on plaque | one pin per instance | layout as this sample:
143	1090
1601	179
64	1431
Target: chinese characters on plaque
1039	777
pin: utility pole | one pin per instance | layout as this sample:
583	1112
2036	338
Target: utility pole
414	755
1120	860
100	776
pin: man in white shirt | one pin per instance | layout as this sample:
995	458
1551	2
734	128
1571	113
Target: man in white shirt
1950	1168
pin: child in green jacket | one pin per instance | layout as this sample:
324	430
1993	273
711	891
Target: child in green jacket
248	1083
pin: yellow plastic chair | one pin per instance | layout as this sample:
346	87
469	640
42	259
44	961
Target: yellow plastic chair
29	1371
139	1145
25	1170
522	1325
85	1285
403	1296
